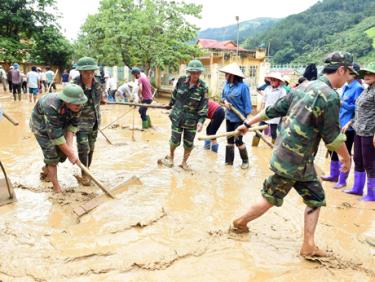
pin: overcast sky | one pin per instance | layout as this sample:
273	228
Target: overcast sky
214	14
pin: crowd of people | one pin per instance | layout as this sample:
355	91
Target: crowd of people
298	116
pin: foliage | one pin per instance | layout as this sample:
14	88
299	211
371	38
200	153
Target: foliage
152	34
305	37
28	32
247	30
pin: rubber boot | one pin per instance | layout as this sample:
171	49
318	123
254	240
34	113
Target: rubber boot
215	147
334	172
256	140
85	160
207	144
229	155
370	190
359	183
244	157
273	141
144	124
149	124
342	180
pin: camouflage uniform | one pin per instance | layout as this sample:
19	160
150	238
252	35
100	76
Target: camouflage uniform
49	122
312	114
89	121
189	108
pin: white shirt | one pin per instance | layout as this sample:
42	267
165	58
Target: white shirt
73	74
4	74
271	95
112	83
32	79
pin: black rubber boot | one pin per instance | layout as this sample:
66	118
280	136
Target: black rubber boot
229	155
244	157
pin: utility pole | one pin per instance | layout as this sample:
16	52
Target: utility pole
238	32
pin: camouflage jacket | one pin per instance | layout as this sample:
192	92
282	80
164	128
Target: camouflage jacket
50	117
189	105
91	110
311	114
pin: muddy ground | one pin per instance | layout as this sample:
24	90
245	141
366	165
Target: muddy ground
172	227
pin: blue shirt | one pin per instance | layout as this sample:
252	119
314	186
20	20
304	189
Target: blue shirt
348	98
239	96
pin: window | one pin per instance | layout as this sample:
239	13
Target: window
253	71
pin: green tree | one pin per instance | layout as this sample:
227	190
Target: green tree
153	33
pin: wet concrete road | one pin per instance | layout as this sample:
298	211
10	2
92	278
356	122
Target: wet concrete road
174	226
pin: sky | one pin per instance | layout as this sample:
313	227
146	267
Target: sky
214	13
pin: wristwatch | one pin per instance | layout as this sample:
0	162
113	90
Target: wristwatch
247	125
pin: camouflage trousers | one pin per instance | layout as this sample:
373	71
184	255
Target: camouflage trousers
189	135
276	187
51	153
86	145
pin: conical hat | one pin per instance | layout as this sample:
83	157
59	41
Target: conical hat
275	75
234	69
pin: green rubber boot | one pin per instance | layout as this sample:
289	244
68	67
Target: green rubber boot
149	124
144	124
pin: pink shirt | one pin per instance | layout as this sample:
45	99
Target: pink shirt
146	88
212	107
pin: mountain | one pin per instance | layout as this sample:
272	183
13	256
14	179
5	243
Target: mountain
248	29
329	25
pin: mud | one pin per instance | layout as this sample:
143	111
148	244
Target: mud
173	227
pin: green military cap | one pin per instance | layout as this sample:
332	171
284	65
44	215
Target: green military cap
338	58
73	94
87	63
370	68
195	66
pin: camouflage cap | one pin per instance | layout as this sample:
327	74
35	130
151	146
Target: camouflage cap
73	94
370	68
195	66
337	59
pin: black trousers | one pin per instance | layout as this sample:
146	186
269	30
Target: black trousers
215	122
350	134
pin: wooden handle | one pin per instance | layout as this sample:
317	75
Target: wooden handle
140	105
97	182
230	133
238	113
10	119
106	138
53	80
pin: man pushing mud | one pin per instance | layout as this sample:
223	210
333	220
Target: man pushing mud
311	114
54	121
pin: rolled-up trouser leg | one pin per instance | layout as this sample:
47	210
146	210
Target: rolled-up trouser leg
189	135
175	140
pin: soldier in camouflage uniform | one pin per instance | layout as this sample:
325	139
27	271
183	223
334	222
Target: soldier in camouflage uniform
311	114
189	111
90	116
54	121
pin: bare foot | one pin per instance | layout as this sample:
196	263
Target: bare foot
312	251
238	228
185	166
167	161
57	189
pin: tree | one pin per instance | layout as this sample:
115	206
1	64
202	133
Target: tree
152	33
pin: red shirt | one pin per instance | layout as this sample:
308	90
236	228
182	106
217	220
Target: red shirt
212	107
146	88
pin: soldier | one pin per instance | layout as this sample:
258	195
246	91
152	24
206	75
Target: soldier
90	117
189	110
312	113
54	121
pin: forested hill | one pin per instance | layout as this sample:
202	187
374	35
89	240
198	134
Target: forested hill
248	29
329	25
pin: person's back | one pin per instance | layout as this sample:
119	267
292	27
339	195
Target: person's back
146	87
310	106
49	76
16	76
32	79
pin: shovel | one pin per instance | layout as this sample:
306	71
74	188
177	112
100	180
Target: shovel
7	194
97	182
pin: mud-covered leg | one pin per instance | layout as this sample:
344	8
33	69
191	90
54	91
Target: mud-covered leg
52	175
189	135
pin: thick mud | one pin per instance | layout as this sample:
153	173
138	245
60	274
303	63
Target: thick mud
173	225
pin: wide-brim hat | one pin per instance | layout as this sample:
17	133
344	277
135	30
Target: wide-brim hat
73	94
234	69
87	63
368	69
275	75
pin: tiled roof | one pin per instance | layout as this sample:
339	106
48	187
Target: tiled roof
214	44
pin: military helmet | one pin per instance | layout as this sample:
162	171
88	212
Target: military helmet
195	66
73	94
370	68
87	63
